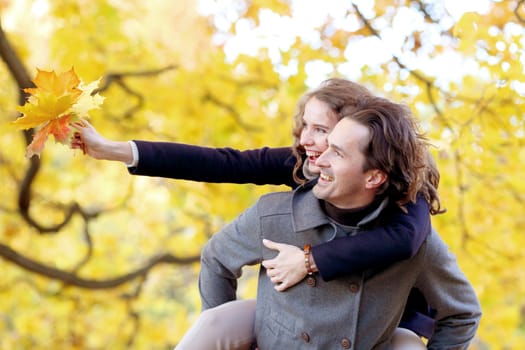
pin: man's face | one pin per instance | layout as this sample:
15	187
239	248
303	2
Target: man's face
342	181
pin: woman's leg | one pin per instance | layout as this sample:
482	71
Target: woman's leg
405	339
228	326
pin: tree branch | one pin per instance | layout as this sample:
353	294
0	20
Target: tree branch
74	280
14	65
118	78
231	111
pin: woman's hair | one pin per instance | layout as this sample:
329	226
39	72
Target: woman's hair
430	184
396	147
337	93
407	161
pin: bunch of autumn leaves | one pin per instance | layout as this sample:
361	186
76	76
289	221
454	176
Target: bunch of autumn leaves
55	102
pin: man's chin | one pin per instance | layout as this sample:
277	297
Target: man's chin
318	192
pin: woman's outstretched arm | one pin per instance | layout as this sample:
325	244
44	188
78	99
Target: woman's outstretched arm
188	162
220	165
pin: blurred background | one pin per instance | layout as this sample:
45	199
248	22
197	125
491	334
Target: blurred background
94	258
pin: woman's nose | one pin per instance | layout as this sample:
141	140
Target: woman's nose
306	138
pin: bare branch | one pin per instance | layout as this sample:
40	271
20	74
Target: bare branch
396	59
89	243
133	315
118	78
14	65
109	78
74	280
231	111
423	9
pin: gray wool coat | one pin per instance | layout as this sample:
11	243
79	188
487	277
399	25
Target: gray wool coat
360	311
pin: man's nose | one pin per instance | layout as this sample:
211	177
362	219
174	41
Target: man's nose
322	160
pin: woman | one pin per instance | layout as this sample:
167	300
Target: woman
317	114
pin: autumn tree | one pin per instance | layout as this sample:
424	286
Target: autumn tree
94	258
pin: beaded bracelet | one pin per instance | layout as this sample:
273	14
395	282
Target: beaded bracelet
306	249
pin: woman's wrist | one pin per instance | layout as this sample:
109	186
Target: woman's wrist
309	261
117	151
313	266
122	150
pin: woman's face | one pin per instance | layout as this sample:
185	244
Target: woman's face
318	121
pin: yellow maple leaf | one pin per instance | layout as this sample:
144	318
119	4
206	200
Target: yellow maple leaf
62	84
54	103
42	108
87	100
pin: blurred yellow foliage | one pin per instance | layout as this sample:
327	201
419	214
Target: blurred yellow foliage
172	79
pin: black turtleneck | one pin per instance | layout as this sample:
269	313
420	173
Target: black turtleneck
349	217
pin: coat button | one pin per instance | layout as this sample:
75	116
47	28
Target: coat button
354	287
346	343
305	337
310	280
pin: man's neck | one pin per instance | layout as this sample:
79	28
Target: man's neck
349	217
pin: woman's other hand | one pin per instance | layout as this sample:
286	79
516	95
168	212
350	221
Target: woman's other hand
287	268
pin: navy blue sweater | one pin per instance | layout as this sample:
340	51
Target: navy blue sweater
400	237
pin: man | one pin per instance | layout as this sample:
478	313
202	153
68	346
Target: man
374	162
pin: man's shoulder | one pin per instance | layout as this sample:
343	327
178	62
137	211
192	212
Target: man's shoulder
436	247
275	202
301	200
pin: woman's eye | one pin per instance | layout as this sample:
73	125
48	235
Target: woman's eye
320	130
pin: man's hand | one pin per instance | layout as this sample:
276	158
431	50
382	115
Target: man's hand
287	268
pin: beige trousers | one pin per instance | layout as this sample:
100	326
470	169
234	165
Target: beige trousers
230	326
226	327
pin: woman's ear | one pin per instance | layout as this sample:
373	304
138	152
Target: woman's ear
375	178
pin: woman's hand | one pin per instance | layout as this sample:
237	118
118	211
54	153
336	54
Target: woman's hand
88	139
93	144
287	268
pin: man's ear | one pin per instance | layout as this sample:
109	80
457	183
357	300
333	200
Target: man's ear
375	179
